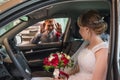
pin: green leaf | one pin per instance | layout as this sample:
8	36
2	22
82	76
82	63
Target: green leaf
47	68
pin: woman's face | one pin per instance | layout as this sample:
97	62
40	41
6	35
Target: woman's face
84	32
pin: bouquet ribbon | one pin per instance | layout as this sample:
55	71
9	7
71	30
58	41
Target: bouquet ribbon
65	74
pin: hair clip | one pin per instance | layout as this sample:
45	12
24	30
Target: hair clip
99	21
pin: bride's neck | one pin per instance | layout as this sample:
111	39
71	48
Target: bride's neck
94	41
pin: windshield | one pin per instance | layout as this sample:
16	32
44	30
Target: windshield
7	4
12	24
9	26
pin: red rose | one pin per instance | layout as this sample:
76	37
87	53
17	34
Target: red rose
46	61
65	60
55	55
55	62
58	34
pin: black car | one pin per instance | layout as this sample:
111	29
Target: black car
19	22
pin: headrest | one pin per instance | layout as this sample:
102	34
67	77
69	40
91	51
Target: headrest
75	31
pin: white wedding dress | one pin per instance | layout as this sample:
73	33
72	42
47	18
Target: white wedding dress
86	61
41	78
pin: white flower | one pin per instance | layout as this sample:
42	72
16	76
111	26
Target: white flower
59	55
51	57
67	56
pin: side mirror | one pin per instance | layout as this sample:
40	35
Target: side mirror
18	39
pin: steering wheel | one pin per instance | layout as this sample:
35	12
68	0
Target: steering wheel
18	60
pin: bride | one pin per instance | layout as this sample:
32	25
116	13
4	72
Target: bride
91	58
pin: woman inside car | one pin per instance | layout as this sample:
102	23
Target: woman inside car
91	60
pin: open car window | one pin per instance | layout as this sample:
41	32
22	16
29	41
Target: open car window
43	32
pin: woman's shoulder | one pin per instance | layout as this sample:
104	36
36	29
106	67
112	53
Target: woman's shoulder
100	46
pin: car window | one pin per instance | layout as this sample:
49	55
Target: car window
12	24
9	26
46	31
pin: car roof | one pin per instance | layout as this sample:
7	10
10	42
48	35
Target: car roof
71	9
52	8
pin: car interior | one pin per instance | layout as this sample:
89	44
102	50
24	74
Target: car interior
30	56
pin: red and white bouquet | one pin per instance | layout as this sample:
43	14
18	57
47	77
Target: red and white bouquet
57	60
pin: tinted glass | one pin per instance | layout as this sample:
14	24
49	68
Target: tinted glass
11	25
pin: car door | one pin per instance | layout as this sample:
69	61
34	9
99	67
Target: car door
36	52
114	56
33	51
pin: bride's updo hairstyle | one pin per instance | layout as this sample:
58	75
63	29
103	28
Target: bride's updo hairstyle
93	20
